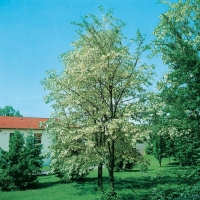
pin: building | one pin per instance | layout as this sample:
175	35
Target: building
24	124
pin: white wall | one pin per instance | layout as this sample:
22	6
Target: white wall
5	135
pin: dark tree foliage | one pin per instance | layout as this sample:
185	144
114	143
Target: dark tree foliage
178	42
21	164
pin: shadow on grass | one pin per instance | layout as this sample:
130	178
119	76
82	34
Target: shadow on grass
128	186
48	181
173	164
133	188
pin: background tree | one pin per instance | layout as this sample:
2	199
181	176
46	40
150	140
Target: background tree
170	146
98	97
159	148
161	132
21	164
155	118
9	111
178	42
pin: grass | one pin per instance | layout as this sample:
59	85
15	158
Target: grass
45	168
133	185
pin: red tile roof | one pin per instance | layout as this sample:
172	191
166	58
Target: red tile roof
21	122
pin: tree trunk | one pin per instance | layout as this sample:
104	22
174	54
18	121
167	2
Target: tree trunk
111	179
160	161
100	176
99	143
111	167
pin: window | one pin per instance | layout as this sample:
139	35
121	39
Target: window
38	138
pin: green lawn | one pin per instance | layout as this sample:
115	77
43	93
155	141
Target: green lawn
45	168
132	185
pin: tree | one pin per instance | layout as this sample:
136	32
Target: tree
9	111
21	165
178	42
159	148
155	120
161	132
10	163
170	146
98	98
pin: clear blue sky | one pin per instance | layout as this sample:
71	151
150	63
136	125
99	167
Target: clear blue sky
33	33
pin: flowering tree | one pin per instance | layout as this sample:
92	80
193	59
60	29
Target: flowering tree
178	42
98	97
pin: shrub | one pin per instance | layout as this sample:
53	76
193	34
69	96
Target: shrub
123	165
21	165
110	195
74	168
177	193
181	191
